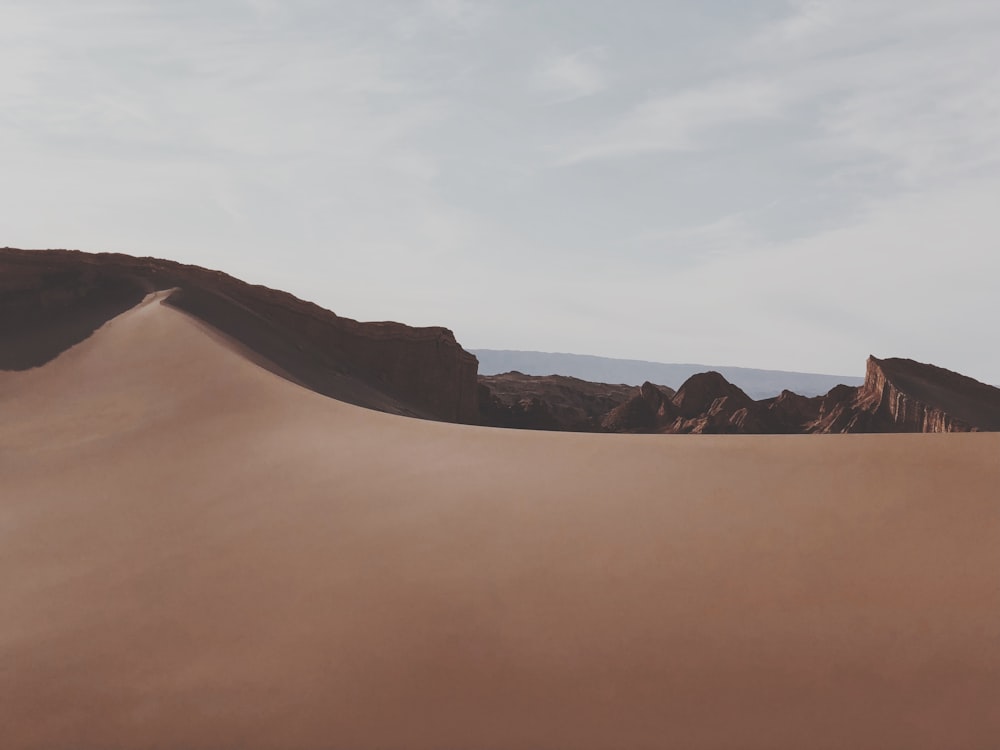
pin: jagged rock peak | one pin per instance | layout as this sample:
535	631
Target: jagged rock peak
700	391
651	393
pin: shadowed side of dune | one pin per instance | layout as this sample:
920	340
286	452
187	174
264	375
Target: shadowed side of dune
43	312
325	371
51	300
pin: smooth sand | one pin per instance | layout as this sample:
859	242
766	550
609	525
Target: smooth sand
196	553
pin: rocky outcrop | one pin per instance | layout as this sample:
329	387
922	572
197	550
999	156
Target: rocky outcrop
708	403
901	395
789	413
527	413
393	367
700	393
514	399
898	395
705	403
649	410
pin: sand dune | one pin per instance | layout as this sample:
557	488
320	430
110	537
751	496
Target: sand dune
53	299
197	553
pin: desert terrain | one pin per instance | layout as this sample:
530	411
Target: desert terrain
758	384
197	551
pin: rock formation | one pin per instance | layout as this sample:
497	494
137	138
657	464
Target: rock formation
514	399
526	413
708	403
649	410
898	395
393	367
790	413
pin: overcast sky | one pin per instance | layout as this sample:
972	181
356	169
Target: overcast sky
778	184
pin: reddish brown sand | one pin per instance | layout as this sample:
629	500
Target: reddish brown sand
196	553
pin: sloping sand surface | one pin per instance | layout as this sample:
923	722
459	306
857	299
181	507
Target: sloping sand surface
196	553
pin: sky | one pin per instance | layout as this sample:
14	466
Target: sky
784	184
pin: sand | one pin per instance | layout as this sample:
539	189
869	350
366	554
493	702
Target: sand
196	553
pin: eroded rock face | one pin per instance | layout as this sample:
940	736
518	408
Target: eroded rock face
898	396
514	399
901	395
389	366
790	413
707	403
699	393
649	410
527	413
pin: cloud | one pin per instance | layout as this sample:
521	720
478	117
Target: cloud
681	121
572	76
233	133
464	14
847	99
925	121
693	245
914	277
884	78
808	19
814	171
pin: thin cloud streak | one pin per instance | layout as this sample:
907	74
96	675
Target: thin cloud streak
682	121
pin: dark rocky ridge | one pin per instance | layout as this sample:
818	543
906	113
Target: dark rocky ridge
898	395
551	402
756	383
901	395
649	410
387	366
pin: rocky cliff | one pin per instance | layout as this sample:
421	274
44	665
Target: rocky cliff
901	395
393	367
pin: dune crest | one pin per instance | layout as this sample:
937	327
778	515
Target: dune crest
52	299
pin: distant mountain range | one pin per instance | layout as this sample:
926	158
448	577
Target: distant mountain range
757	384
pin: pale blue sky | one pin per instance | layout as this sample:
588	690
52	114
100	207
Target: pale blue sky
778	184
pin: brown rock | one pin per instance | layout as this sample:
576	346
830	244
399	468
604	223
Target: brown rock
901	395
649	410
790	413
699	394
522	413
388	366
708	403
571	404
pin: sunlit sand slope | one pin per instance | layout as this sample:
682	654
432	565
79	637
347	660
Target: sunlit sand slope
196	553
